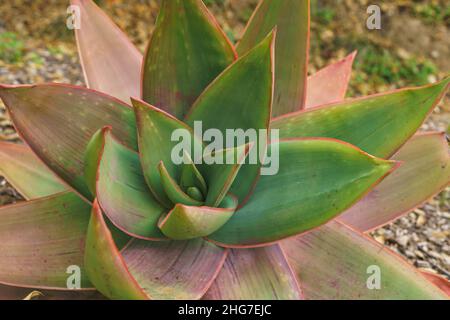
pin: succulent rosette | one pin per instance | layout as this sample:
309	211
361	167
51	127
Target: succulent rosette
104	194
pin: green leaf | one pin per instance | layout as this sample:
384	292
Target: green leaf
26	173
173	190
122	192
425	172
242	96
378	124
57	121
191	177
188	222
186	52
335	262
255	274
220	171
111	63
155	131
291	17
317	180
329	85
40	239
162	270
92	156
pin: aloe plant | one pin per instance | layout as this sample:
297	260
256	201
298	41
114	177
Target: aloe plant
103	194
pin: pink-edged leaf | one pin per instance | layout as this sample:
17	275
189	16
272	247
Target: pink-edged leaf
425	172
162	270
329	84
122	192
291	17
337	262
57	122
255	274
40	239
111	63
186	52
439	281
26	173
188	222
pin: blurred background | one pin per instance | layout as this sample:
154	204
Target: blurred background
412	48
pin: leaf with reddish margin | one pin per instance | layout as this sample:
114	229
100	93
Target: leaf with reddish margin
122	192
40	239
317	180
104	264
186	52
173	190
242	96
26	173
441	282
111	63
160	270
329	84
255	274
156	129
378	124
336	262
425	172
291	18
57	121
188	222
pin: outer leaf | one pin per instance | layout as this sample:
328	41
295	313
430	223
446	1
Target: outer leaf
173	190
122	192
242	95
255	274
291	17
26	173
220	177
155	129
378	124
317	180
187	51
426	171
335	262
330	84
104	264
185	222
40	239
111	63
164	270
57	122
441	282
16	293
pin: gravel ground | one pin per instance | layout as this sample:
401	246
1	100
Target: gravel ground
423	236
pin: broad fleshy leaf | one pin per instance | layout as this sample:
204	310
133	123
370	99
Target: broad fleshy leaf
173	190
26	173
186	52
425	172
220	171
57	121
159	134
242	95
162	270
329	84
291	18
122	192
378	124
336	262
255	274
41	239
111	63
317	180
188	222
